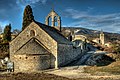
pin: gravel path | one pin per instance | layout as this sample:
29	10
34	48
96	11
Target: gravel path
78	72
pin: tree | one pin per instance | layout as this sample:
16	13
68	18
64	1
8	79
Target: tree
27	16
1	30
7	33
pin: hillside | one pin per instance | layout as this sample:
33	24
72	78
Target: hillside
90	33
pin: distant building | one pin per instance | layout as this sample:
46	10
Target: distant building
102	38
96	40
108	44
1	36
72	36
80	37
12	36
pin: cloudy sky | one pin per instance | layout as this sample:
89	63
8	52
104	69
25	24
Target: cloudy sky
92	14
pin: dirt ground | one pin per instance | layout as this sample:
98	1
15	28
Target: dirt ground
78	73
44	76
30	76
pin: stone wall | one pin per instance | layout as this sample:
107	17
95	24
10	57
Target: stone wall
33	47
66	54
79	37
31	62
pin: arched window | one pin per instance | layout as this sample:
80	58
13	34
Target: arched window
55	19
49	21
32	33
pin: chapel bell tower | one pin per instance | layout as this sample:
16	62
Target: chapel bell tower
53	20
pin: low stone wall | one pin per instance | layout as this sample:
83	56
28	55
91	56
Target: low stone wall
31	62
66	54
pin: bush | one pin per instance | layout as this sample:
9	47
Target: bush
4	50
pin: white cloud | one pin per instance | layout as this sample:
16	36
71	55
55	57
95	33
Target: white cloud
107	22
75	14
31	2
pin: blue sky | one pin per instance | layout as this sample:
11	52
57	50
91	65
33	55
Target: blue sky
92	14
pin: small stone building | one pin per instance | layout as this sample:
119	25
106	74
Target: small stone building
39	47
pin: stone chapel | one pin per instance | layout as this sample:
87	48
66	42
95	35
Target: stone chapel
42	46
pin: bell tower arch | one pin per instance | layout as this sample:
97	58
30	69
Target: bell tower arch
53	20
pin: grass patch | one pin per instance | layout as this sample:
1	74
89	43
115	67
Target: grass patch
113	68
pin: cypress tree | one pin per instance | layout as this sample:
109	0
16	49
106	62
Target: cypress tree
7	33
27	16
